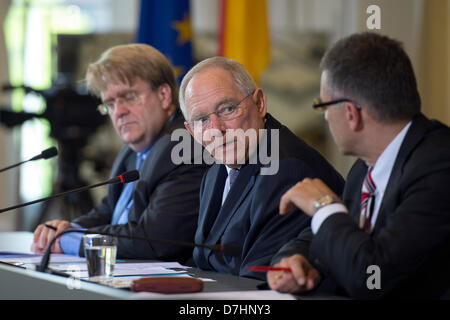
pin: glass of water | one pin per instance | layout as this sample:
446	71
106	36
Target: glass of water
100	252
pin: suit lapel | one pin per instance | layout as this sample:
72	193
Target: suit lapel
238	192
415	134
352	189
211	198
125	162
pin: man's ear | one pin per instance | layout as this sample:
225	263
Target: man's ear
195	133
259	97
188	127
165	95
354	116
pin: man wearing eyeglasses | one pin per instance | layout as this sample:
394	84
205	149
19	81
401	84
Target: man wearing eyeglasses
238	199
137	86
389	235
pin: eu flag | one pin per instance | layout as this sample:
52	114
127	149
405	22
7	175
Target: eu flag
165	25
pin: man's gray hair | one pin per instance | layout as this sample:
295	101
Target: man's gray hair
239	74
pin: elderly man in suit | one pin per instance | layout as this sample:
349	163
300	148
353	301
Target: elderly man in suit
389	235
239	194
139	92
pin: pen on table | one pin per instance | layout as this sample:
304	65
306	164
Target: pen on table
49	226
267	268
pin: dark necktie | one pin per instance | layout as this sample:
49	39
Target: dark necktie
233	175
367	202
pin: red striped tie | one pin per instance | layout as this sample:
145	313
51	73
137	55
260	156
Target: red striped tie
367	202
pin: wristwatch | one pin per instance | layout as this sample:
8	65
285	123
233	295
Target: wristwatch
322	202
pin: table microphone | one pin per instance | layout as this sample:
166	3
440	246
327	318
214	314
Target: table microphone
46	154
225	249
126	177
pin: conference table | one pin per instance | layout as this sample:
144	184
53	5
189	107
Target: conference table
26	283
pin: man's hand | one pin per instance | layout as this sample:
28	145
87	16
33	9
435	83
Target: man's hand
303	195
43	236
302	277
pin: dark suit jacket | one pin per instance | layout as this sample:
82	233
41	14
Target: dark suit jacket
249	217
165	202
411	238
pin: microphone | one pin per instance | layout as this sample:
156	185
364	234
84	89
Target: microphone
46	154
126	177
225	249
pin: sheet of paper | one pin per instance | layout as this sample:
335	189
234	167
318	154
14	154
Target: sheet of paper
79	270
128	269
167	264
124	267
36	258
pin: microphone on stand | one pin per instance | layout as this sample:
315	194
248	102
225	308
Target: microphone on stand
126	177
46	154
225	249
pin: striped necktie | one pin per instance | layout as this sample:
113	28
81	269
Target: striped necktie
367	202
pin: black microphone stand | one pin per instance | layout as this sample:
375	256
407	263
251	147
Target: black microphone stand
54	196
126	177
14	165
46	154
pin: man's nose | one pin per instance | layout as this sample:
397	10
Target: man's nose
217	123
120	107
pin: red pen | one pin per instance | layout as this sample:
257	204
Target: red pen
267	268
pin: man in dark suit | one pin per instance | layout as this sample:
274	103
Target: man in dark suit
389	236
139	92
239	194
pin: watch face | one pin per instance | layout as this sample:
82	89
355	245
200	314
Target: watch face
327	200
323	201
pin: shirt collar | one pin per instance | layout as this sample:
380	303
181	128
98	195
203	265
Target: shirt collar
144	154
385	162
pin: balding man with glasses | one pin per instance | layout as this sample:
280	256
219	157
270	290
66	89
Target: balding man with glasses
137	86
239	197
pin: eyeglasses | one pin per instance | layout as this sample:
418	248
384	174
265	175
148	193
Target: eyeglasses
129	99
225	113
320	106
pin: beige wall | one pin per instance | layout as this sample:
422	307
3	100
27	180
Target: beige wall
424	28
434	60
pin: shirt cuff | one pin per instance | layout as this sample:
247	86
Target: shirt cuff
70	242
323	213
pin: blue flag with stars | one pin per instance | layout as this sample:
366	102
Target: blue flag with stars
166	25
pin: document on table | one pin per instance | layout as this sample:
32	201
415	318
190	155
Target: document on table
26	258
125	269
76	267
